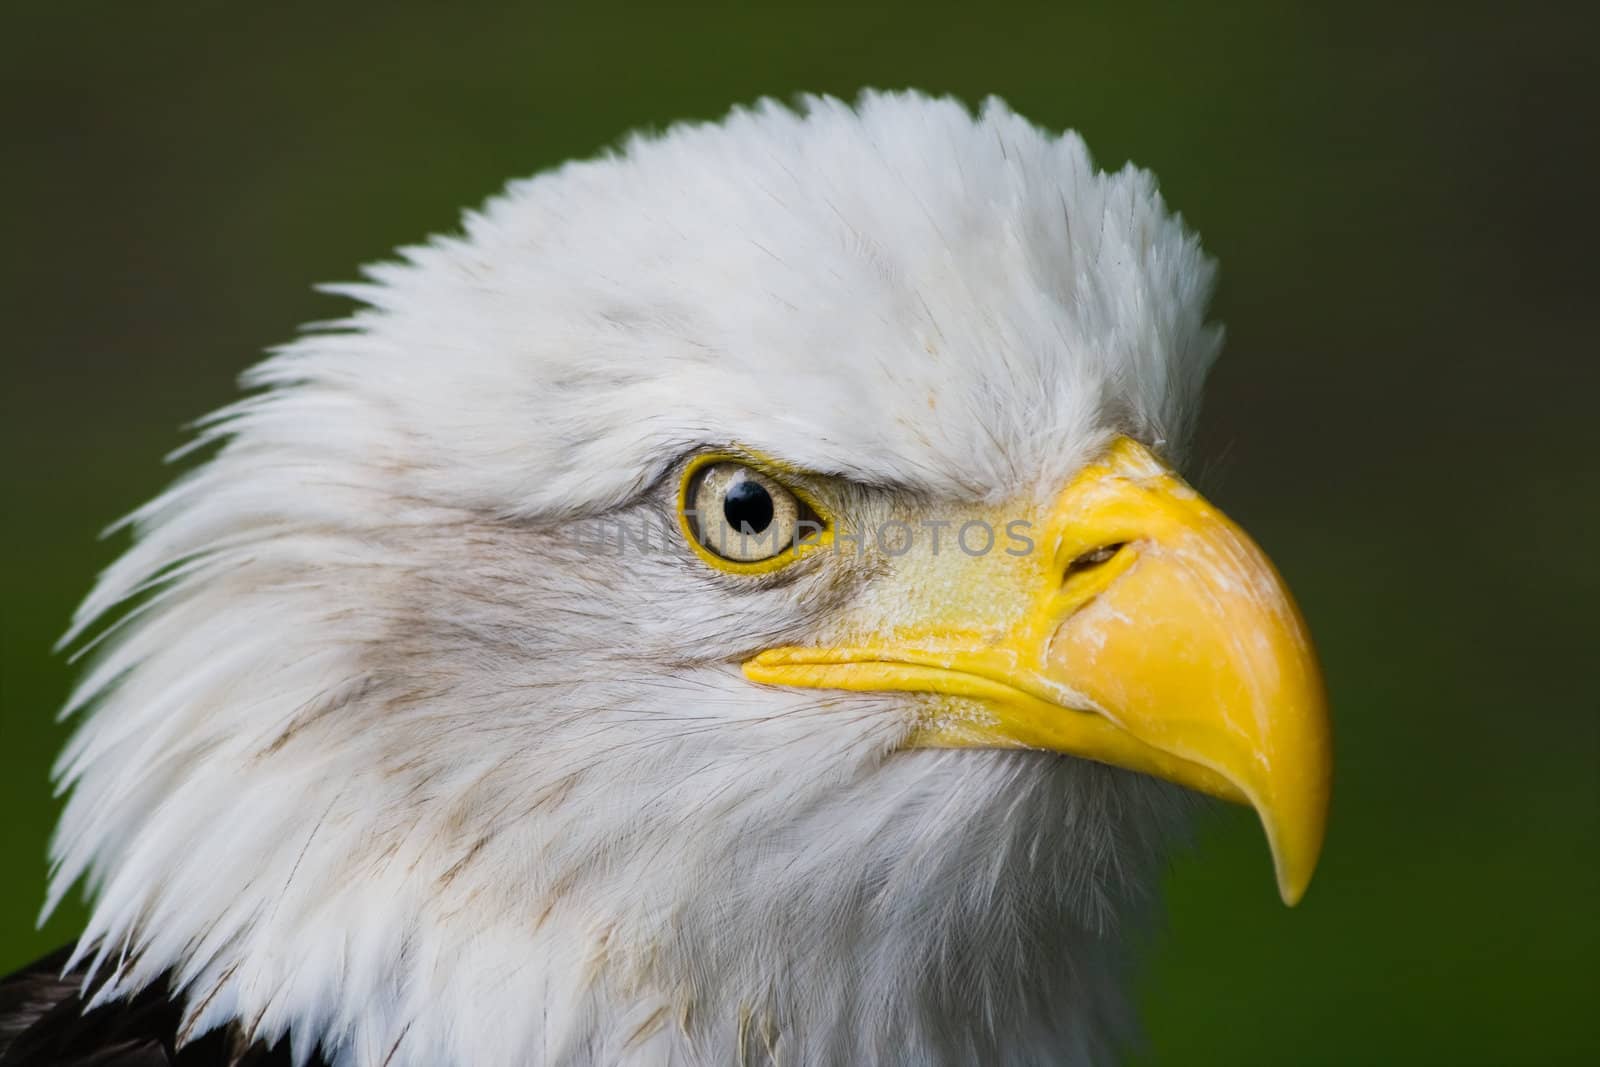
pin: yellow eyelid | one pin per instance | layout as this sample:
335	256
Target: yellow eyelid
767	468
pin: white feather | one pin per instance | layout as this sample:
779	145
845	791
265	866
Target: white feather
391	765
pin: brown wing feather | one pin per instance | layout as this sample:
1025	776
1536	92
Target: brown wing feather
43	1024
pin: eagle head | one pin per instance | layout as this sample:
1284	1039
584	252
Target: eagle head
733	599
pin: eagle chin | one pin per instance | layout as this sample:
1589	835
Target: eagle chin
732	602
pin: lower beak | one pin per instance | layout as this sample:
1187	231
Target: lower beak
1152	634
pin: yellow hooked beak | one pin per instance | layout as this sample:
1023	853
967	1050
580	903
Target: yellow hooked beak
1149	633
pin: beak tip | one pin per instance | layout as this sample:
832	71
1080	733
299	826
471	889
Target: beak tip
1294	859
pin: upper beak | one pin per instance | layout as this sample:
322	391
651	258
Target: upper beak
1149	632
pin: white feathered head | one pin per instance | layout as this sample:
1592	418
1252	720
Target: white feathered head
691	614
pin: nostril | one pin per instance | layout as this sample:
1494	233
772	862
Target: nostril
1091	559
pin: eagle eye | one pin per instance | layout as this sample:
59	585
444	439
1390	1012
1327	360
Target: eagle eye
739	515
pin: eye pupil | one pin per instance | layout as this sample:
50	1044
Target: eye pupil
748	506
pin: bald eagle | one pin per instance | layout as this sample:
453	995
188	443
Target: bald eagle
732	602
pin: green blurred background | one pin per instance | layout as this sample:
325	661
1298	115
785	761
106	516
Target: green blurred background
1398	197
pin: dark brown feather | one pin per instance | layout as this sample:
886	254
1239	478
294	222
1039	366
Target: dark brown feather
43	1024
